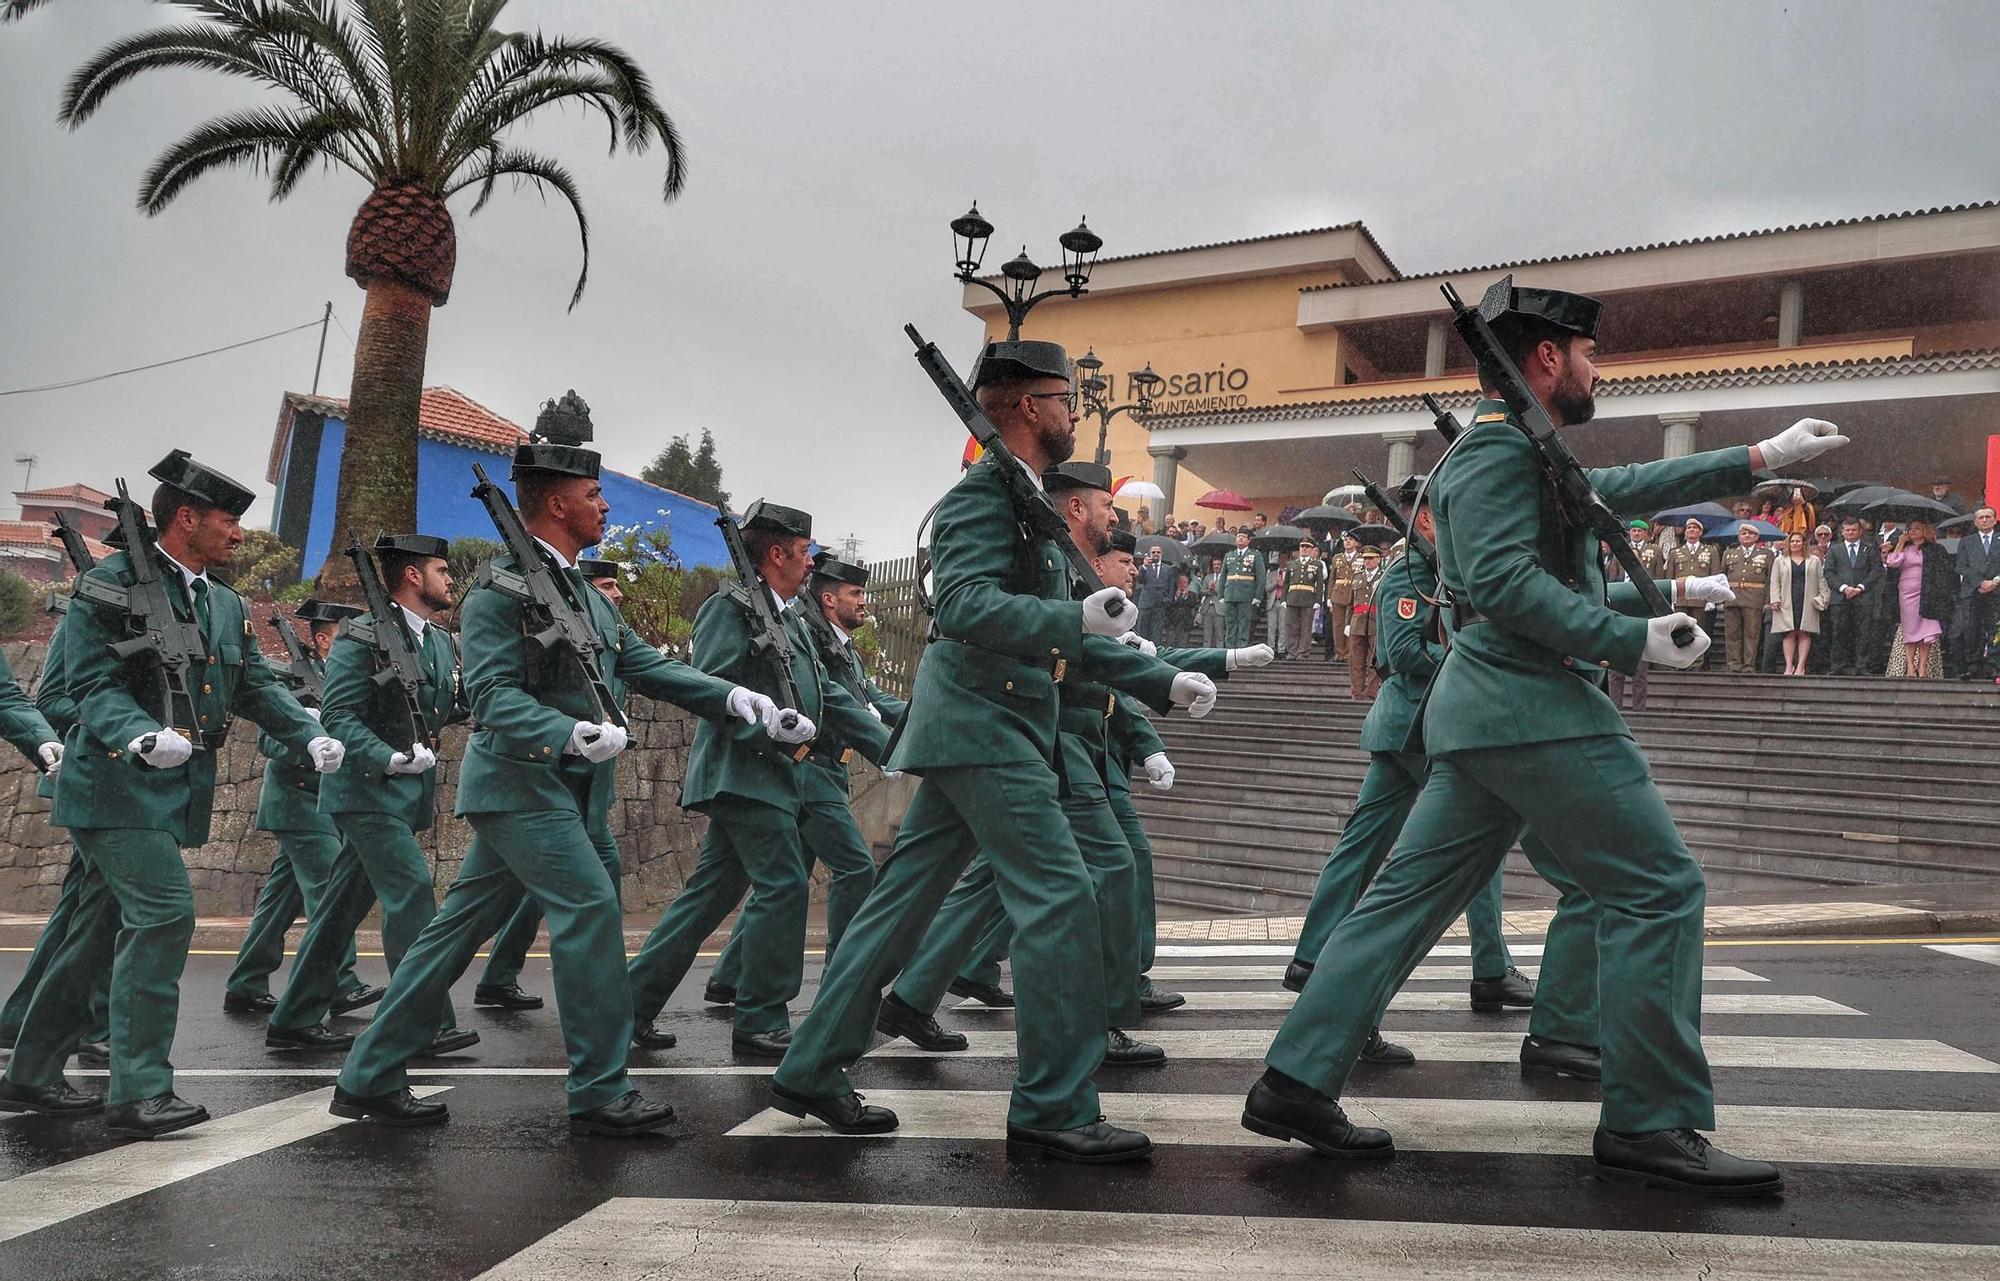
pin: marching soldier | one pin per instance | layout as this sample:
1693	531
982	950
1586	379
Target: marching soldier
308	845
536	766
1519	730
1305	585
387	797
1748	567
754	796
1363	681
136	791
1242	588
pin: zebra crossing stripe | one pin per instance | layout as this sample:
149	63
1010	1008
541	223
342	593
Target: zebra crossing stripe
1987	952
1169	975
49	1196
629	1238
1828	1136
1711	1003
1439	951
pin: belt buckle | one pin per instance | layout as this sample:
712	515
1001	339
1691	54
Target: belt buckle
846	755
1058	671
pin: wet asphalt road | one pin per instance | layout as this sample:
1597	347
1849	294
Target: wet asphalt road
454	1200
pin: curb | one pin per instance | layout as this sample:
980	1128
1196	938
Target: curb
1883	925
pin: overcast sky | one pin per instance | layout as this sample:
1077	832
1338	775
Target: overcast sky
829	145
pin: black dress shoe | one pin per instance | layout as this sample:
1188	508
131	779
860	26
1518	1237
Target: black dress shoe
718	993
1511	991
1121	1050
355	998
627	1116
60	1099
1296	975
1154	999
898	1017
1099	1143
844	1115
1560	1058
400	1108
648	1037
762	1045
313	1036
1682	1160
1385	1053
985	993
449	1043
93	1054
150	1118
508	996
1280	1108
237	1003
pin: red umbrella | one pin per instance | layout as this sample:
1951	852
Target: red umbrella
1224	500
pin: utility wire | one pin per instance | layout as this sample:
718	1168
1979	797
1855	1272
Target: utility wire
158	364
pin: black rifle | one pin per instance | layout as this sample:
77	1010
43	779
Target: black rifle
1574	492
559	621
79	555
768	638
169	647
1030	504
1442	419
304	675
1412	540
395	662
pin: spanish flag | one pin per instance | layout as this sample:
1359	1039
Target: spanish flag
973	453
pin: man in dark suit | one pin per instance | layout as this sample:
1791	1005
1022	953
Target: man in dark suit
1854	575
1156	589
1978	610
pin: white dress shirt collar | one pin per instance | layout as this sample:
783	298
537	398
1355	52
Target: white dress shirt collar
417	622
562	561
188	577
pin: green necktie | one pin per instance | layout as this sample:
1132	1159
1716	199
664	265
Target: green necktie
199	590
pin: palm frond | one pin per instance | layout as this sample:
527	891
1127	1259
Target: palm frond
543	173
15	10
264	140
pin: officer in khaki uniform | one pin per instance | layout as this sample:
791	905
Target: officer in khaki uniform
1363	681
1654	559
134	792
1305	585
1695	559
1519	730
1748	568
1343	566
1242	588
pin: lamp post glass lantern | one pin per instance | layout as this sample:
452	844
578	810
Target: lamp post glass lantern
1095	389
970	231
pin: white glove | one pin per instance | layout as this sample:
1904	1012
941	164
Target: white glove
1195	692
1660	647
1803	441
1254	656
415	761
1097	617
1159	771
169	749
310	711
892	774
326	753
51	756
594	742
802	729
1707	589
873	710
1140	643
751	706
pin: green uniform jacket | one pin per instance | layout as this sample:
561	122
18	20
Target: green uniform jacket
370	719
1089	709
1243	575
526	708
985	691
826	773
1403	645
1128	740
20	723
1531	672
735	759
52	700
104	786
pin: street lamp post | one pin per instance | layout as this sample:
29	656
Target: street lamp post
1080	244
1094	388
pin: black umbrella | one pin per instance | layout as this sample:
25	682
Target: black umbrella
1214	543
1323	519
1956	522
1709	514
1374	535
1903	506
1276	538
1837	488
1855	500
1172	550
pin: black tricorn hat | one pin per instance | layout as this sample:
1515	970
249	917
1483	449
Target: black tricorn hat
557	460
202	482
598	567
1005	361
314	610
1505	305
828	565
1076	475
1124	540
1406	493
411	545
773	516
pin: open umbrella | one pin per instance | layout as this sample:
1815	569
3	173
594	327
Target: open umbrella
1341	493
1172	550
1903	507
1223	500
1325	519
1374	535
1830	488
1134	490
1214	543
1710	515
1727	531
1276	538
1854	501
1781	490
1955	523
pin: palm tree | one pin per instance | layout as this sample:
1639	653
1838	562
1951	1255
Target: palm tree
415	96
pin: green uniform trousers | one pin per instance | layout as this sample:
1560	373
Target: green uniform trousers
135	917
511	944
1602	821
751	846
829	834
297	882
379	859
1012	812
550	853
1146	907
1238	616
984	967
47	944
973	920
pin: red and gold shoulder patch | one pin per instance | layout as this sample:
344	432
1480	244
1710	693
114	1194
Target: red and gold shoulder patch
1406	608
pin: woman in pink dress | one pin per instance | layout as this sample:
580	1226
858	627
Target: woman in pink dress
1920	634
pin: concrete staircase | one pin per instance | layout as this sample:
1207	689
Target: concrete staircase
1775	782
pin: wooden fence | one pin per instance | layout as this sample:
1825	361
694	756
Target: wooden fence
901	624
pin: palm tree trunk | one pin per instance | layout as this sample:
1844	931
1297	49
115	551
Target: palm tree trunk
378	463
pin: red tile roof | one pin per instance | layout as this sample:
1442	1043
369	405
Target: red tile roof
77	493
443	413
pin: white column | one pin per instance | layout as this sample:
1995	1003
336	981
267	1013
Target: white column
1677	434
1791	313
1434	340
1166	470
1402	456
